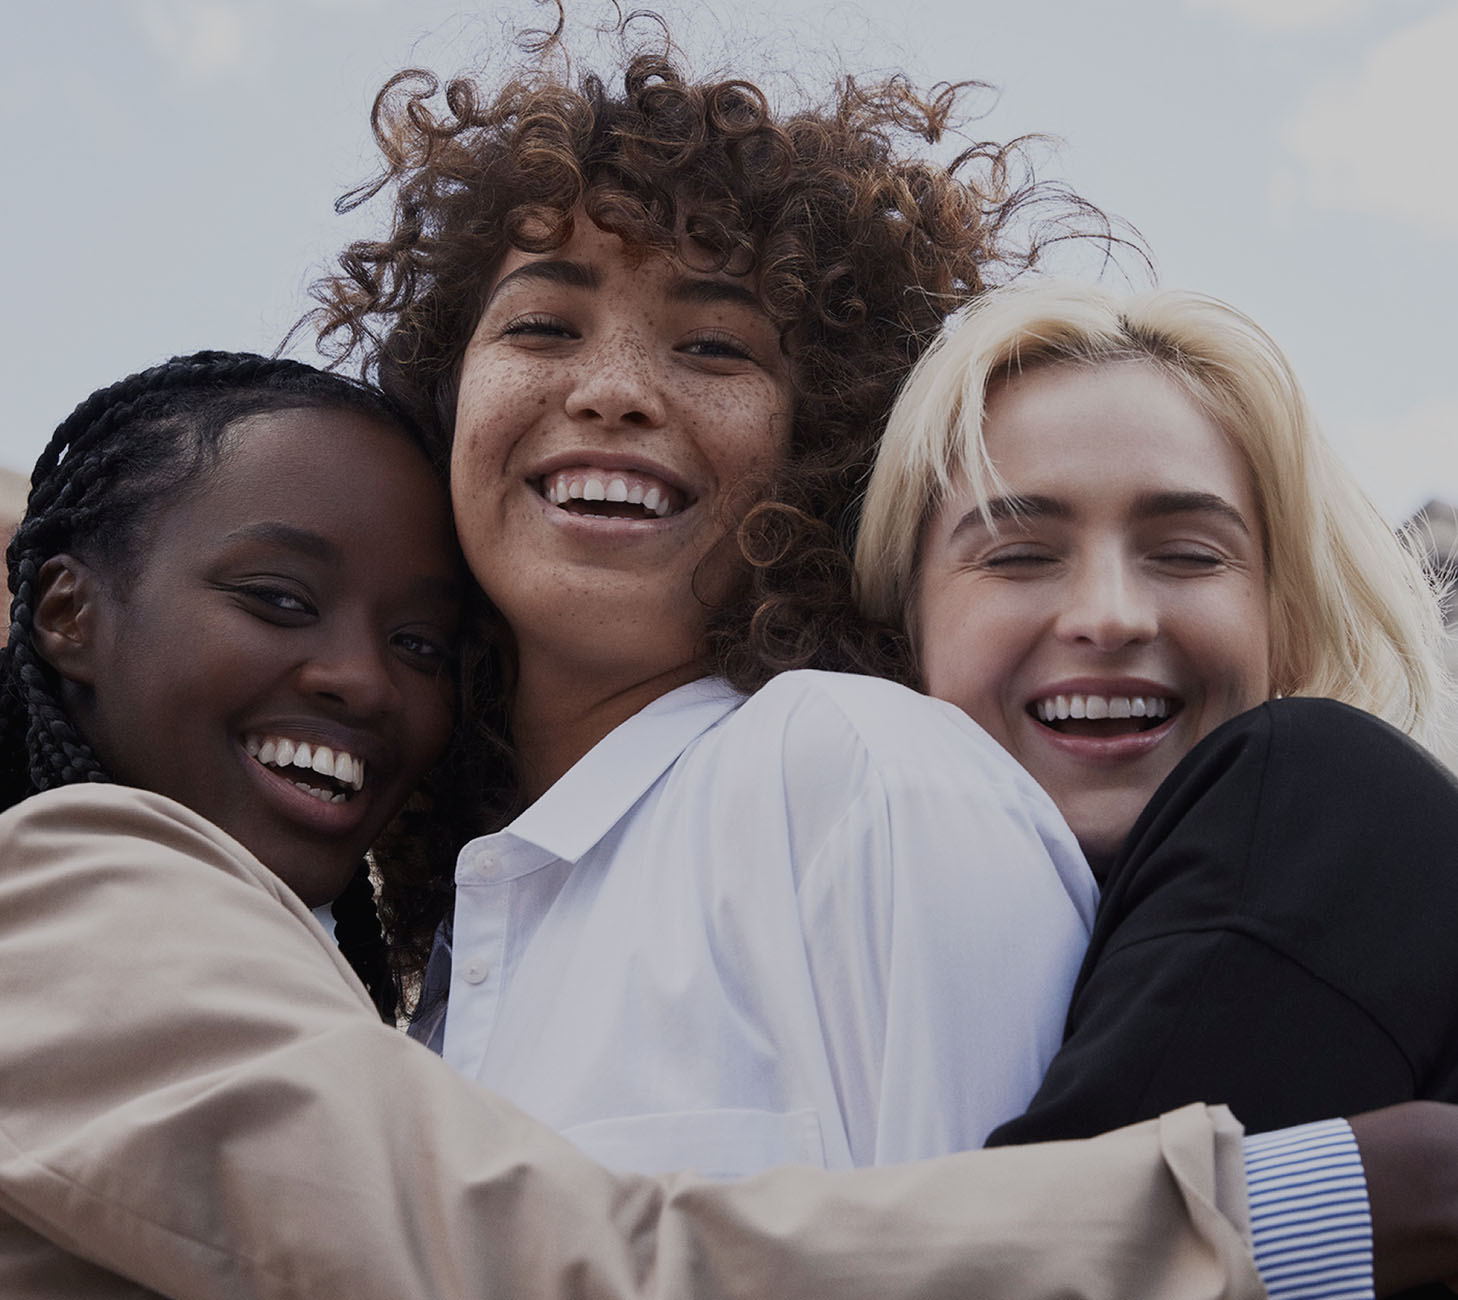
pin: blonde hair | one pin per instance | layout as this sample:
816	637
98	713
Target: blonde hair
1353	616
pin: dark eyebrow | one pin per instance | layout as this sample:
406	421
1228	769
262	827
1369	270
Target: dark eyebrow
1155	505
289	537
706	292
575	275
1013	508
303	542
1151	505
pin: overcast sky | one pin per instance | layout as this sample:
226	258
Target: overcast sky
174	165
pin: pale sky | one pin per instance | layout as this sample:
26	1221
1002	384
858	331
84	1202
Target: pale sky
174	165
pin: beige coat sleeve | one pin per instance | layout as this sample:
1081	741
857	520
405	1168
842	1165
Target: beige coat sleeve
195	1096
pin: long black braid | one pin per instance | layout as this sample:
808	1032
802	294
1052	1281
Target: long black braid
113	461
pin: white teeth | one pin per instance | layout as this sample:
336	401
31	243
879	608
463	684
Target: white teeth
277	751
323	796
629	488
1054	708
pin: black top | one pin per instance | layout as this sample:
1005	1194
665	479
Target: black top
1280	933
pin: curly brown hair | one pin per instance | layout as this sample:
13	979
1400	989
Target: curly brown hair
859	241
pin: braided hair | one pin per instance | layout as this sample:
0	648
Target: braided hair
95	491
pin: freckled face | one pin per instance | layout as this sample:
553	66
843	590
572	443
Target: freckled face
616	417
1121	613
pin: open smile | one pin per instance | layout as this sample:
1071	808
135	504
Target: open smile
1103	716
328	775
593	492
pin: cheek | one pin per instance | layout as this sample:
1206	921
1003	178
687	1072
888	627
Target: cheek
748	435
474	481
493	407
432	715
1237	653
951	654
972	645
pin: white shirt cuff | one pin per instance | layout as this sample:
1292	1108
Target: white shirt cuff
1311	1228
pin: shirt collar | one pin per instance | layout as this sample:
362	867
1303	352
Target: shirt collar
595	793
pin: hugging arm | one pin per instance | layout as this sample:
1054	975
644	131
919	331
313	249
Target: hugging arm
197	1100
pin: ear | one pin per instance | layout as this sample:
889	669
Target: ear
66	618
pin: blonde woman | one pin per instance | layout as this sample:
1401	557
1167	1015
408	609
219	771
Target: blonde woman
1121	546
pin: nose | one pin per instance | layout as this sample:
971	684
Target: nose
618	384
1106	606
351	673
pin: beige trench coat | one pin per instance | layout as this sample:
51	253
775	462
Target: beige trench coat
197	1101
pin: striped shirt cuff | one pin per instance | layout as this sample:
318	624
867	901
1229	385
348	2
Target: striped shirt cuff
1310	1226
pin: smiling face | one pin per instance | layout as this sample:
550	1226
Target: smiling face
278	657
1120	614
617	415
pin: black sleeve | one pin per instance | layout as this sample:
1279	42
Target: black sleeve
1279	934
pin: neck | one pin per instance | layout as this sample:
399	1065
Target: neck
555	721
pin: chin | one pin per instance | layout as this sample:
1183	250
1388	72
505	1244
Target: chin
1100	844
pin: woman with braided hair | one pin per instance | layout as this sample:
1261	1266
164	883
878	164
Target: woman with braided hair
116	555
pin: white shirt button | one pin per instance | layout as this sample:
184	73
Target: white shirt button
474	864
474	971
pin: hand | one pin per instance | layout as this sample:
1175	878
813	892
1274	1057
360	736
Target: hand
1410	1155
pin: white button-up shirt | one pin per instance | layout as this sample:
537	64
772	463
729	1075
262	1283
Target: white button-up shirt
832	924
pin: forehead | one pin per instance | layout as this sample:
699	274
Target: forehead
322	453
332	471
1073	427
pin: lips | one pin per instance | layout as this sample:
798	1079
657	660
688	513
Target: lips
619	493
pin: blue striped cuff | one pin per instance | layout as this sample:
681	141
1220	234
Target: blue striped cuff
1310	1226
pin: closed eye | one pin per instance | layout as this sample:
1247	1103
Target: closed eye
1019	558
1196	559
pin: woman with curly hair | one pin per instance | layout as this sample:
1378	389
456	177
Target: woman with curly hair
656	331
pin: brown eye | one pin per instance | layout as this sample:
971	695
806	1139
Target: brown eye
428	652
712	343
276	598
